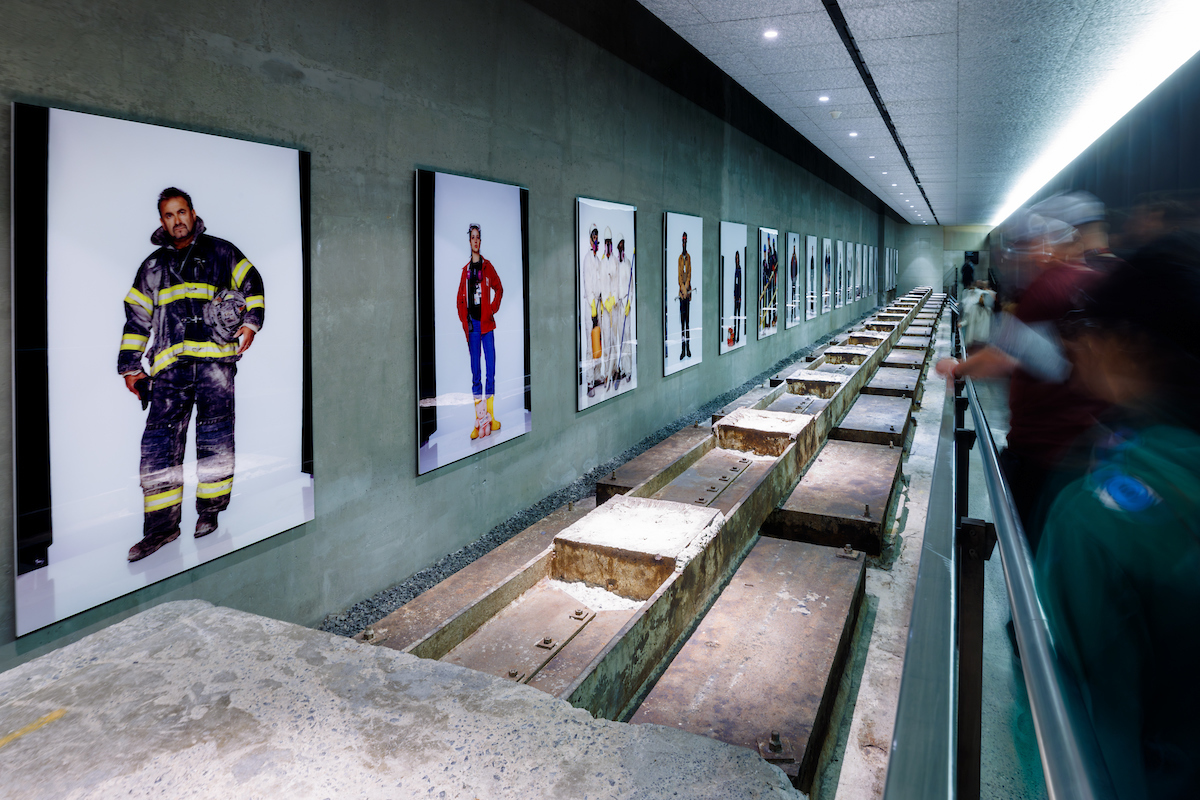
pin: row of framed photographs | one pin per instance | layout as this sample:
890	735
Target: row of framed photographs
85	492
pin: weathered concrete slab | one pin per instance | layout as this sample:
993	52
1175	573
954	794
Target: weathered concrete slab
906	359
848	354
631	545
763	433
843	498
868	338
767	657
424	614
818	382
637	470
880	325
188	699
914	342
799	404
885	316
894	382
837	369
875	419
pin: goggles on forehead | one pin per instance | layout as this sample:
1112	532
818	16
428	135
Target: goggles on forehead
474	226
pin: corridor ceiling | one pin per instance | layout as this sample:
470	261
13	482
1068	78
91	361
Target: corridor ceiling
988	98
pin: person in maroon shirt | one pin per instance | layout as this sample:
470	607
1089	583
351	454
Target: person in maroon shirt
1046	417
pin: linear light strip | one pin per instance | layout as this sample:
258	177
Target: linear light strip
839	21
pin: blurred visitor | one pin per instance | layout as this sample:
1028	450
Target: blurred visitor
1118	565
975	316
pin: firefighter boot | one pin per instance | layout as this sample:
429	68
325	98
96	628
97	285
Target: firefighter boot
206	523
492	414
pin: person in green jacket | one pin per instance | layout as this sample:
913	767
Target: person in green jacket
1118	565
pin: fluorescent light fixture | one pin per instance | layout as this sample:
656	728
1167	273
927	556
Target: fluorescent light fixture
854	133
893	184
1148	57
870	156
771	34
885	173
823	98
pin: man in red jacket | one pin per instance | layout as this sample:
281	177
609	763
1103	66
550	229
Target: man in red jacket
479	294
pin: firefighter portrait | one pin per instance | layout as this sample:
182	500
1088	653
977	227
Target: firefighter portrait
195	307
479	296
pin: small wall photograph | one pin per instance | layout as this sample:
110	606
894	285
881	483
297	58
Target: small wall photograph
812	258
794	294
472	275
839	271
607	282
826	275
683	302
768	295
734	280
858	271
162	414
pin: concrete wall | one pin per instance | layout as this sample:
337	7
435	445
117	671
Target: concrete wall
496	90
921	256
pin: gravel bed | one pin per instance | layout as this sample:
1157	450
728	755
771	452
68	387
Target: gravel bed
369	611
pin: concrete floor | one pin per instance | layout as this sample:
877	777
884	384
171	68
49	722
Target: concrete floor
192	700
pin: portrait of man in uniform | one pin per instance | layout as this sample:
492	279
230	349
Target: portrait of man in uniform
195	307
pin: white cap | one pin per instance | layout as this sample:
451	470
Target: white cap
607	233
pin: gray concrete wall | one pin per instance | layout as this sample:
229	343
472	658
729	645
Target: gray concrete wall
495	90
921	254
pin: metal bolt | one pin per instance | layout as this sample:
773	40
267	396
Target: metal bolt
547	640
614	474
570	505
512	673
867	509
579	612
776	743
369	634
712	488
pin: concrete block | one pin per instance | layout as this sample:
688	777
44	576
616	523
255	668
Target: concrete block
875	419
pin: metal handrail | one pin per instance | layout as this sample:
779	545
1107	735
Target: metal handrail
1071	759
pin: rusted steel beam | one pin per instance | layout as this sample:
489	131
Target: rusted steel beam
768	657
658	458
843	499
876	419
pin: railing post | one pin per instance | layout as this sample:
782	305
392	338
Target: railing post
974	544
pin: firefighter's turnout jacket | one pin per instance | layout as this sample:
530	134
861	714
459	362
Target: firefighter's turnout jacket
164	309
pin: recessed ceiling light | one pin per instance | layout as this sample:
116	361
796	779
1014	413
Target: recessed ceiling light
854	133
824	98
902	193
870	156
885	173
893	184
771	34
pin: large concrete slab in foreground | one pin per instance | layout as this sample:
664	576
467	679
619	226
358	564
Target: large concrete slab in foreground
188	699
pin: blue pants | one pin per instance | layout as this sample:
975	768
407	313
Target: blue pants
208	386
476	340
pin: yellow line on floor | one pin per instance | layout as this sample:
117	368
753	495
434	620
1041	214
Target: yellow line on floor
33	726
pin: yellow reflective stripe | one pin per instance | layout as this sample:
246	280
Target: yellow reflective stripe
189	291
136	298
190	349
217	489
239	272
256	301
134	341
171	497
209	349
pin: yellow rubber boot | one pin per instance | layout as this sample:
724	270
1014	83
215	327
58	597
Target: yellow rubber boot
492	414
475	427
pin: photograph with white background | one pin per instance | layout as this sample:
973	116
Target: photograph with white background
767	266
795	281
734	281
607	281
683	296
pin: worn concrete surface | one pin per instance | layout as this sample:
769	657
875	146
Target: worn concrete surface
192	700
864	761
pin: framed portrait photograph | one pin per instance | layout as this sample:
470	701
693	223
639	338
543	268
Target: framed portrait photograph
605	238
683	300
472	322
794	293
734	280
839	270
826	275
768	295
813	259
858	271
161	354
